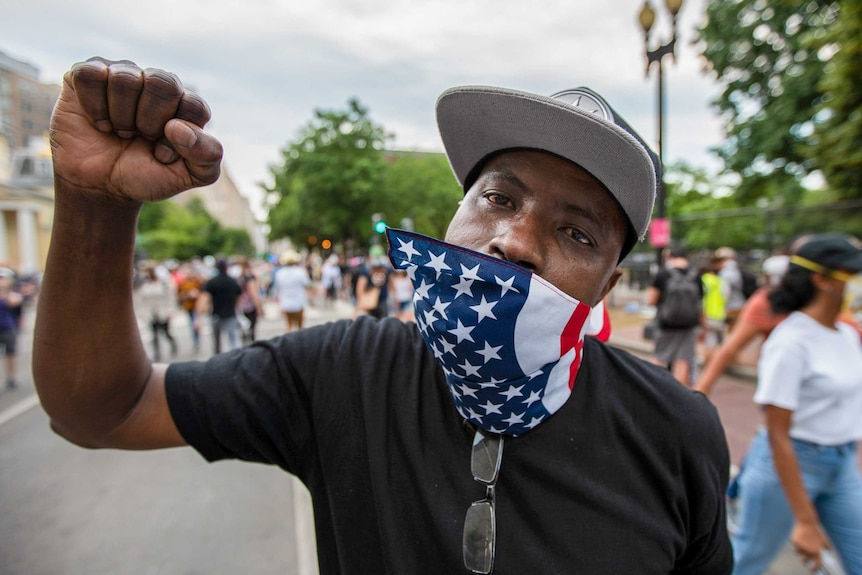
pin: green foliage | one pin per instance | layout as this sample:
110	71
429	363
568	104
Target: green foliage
421	186
769	56
168	230
836	147
328	182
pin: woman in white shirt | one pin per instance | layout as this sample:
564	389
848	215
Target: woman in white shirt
801	476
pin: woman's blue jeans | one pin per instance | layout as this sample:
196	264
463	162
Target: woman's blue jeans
764	521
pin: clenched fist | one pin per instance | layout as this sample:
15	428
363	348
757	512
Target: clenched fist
131	134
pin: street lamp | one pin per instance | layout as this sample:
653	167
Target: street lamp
647	19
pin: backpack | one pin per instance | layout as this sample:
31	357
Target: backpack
681	300
749	283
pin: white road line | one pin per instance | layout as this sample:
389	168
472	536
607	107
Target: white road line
17	409
303	520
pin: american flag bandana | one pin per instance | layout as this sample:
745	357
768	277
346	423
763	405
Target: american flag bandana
510	343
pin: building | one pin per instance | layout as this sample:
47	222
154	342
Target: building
26	205
231	209
25	102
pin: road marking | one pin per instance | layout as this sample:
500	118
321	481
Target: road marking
17	409
303	521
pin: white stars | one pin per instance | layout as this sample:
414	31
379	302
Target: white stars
447	347
515	418
469	369
411	272
473	415
512	392
440	307
533	422
462	332
407	248
534	396
493	382
506	285
491	407
470	273
464	286
430	316
421	292
437	263
489	352
467	391
535	374
484	309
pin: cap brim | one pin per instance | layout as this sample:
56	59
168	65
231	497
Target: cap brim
476	121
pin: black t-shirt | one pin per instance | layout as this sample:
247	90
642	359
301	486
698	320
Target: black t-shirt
627	477
224	291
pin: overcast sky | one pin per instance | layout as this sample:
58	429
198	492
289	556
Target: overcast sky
265	65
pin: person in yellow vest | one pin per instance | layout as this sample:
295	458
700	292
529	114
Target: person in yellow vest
715	294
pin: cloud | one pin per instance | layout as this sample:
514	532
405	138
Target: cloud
265	65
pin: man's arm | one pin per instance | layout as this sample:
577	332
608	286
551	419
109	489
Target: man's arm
119	136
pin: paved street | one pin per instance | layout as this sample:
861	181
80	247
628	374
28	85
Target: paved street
66	510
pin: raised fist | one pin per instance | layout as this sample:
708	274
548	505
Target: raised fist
131	134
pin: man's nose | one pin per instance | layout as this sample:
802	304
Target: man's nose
519	241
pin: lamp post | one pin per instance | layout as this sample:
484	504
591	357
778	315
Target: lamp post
647	19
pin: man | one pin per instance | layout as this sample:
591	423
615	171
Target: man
677	294
616	469
219	295
731	274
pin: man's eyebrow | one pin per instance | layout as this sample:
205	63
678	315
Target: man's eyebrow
502	174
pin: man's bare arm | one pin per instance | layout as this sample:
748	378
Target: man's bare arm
120	136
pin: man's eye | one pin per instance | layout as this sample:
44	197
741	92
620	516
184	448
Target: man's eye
578	236
497	199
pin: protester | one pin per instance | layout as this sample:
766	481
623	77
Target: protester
609	465
10	305
155	302
330	280
402	293
373	288
250	304
728	270
189	284
756	318
290	286
219	296
677	294
715	294
801	476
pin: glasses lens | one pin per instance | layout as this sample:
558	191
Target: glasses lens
479	535
486	455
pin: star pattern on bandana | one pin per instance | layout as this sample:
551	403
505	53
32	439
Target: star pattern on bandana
459	298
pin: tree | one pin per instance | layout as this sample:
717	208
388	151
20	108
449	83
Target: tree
837	143
329	180
421	186
770	56
168	230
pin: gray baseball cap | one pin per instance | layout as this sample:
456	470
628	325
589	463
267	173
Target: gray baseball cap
578	125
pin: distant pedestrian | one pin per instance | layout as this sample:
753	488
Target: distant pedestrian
801	477
330	279
10	303
250	304
715	294
290	286
402	288
189	284
677	294
728	270
220	294
373	289
155	303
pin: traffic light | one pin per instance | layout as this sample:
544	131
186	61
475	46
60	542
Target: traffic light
377	222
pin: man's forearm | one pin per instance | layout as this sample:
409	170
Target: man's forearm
89	363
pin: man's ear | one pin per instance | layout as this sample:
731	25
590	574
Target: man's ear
612	281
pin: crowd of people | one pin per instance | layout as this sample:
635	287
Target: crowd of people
231	293
800	478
